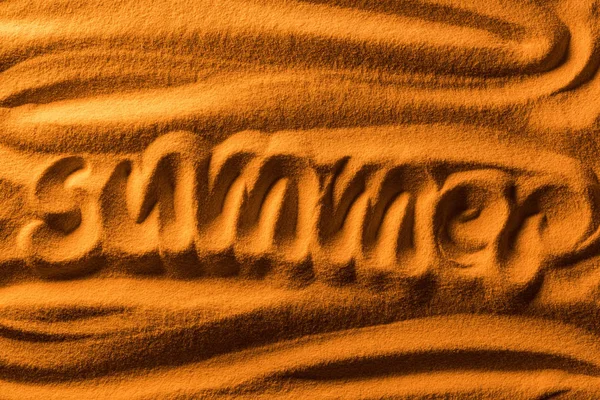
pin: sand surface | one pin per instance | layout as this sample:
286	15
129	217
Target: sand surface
299	199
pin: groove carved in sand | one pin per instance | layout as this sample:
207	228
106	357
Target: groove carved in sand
79	82
125	152
259	203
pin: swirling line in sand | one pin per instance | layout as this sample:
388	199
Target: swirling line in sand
265	344
95	179
84	81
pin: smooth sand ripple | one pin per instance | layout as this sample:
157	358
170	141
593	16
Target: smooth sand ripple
299	199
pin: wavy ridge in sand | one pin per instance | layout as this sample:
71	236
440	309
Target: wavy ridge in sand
346	63
400	352
299	199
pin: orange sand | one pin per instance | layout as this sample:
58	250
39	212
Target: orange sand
266	199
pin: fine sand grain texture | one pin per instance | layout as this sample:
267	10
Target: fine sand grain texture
299	199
